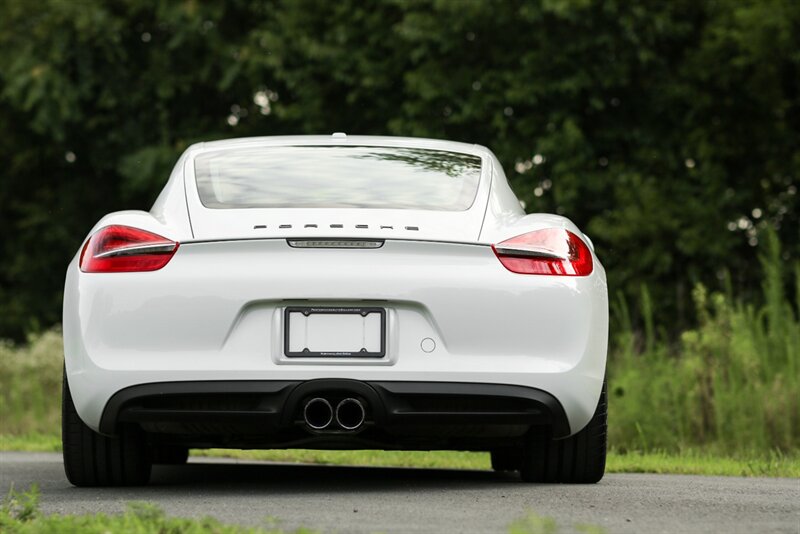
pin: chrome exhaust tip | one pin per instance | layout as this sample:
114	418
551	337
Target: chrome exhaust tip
350	414
318	413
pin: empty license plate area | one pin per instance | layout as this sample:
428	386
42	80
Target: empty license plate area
334	332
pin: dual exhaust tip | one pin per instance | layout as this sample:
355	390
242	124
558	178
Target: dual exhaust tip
319	414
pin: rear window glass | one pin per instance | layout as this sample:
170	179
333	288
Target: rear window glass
337	177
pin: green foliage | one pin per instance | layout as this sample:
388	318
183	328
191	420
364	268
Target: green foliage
685	462
731	384
19	514
20	506
49	441
654	126
533	524
30	385
706	462
537	524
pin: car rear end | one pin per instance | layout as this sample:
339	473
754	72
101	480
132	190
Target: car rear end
381	322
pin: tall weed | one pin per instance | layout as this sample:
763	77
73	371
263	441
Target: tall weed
731	384
30	385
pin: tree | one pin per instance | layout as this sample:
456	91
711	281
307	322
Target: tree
670	132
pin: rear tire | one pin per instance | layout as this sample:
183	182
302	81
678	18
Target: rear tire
170	454
505	459
578	459
91	459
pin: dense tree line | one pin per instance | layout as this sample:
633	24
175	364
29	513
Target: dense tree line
669	131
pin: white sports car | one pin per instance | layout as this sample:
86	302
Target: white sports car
335	293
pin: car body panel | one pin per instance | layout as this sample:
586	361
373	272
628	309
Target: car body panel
214	312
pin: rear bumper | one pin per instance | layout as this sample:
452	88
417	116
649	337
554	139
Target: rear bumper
405	415
216	313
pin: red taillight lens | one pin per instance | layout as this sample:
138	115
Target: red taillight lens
552	251
122	249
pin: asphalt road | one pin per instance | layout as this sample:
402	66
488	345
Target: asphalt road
359	499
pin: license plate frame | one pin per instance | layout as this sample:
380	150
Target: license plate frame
335	310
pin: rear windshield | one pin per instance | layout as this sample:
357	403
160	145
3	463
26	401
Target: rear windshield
337	177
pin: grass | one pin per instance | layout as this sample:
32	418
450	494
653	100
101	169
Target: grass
690	462
30	385
34	442
371	458
721	399
686	463
20	514
693	462
731	385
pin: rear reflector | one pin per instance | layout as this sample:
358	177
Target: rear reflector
116	249
551	251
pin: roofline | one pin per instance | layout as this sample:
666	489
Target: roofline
328	140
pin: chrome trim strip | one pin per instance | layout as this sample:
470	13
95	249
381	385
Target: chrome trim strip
156	248
528	253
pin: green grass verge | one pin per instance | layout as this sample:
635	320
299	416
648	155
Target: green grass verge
691	462
19	514
686	463
703	463
32	442
371	458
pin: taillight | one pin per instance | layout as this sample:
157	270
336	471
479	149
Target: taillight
552	251
118	249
